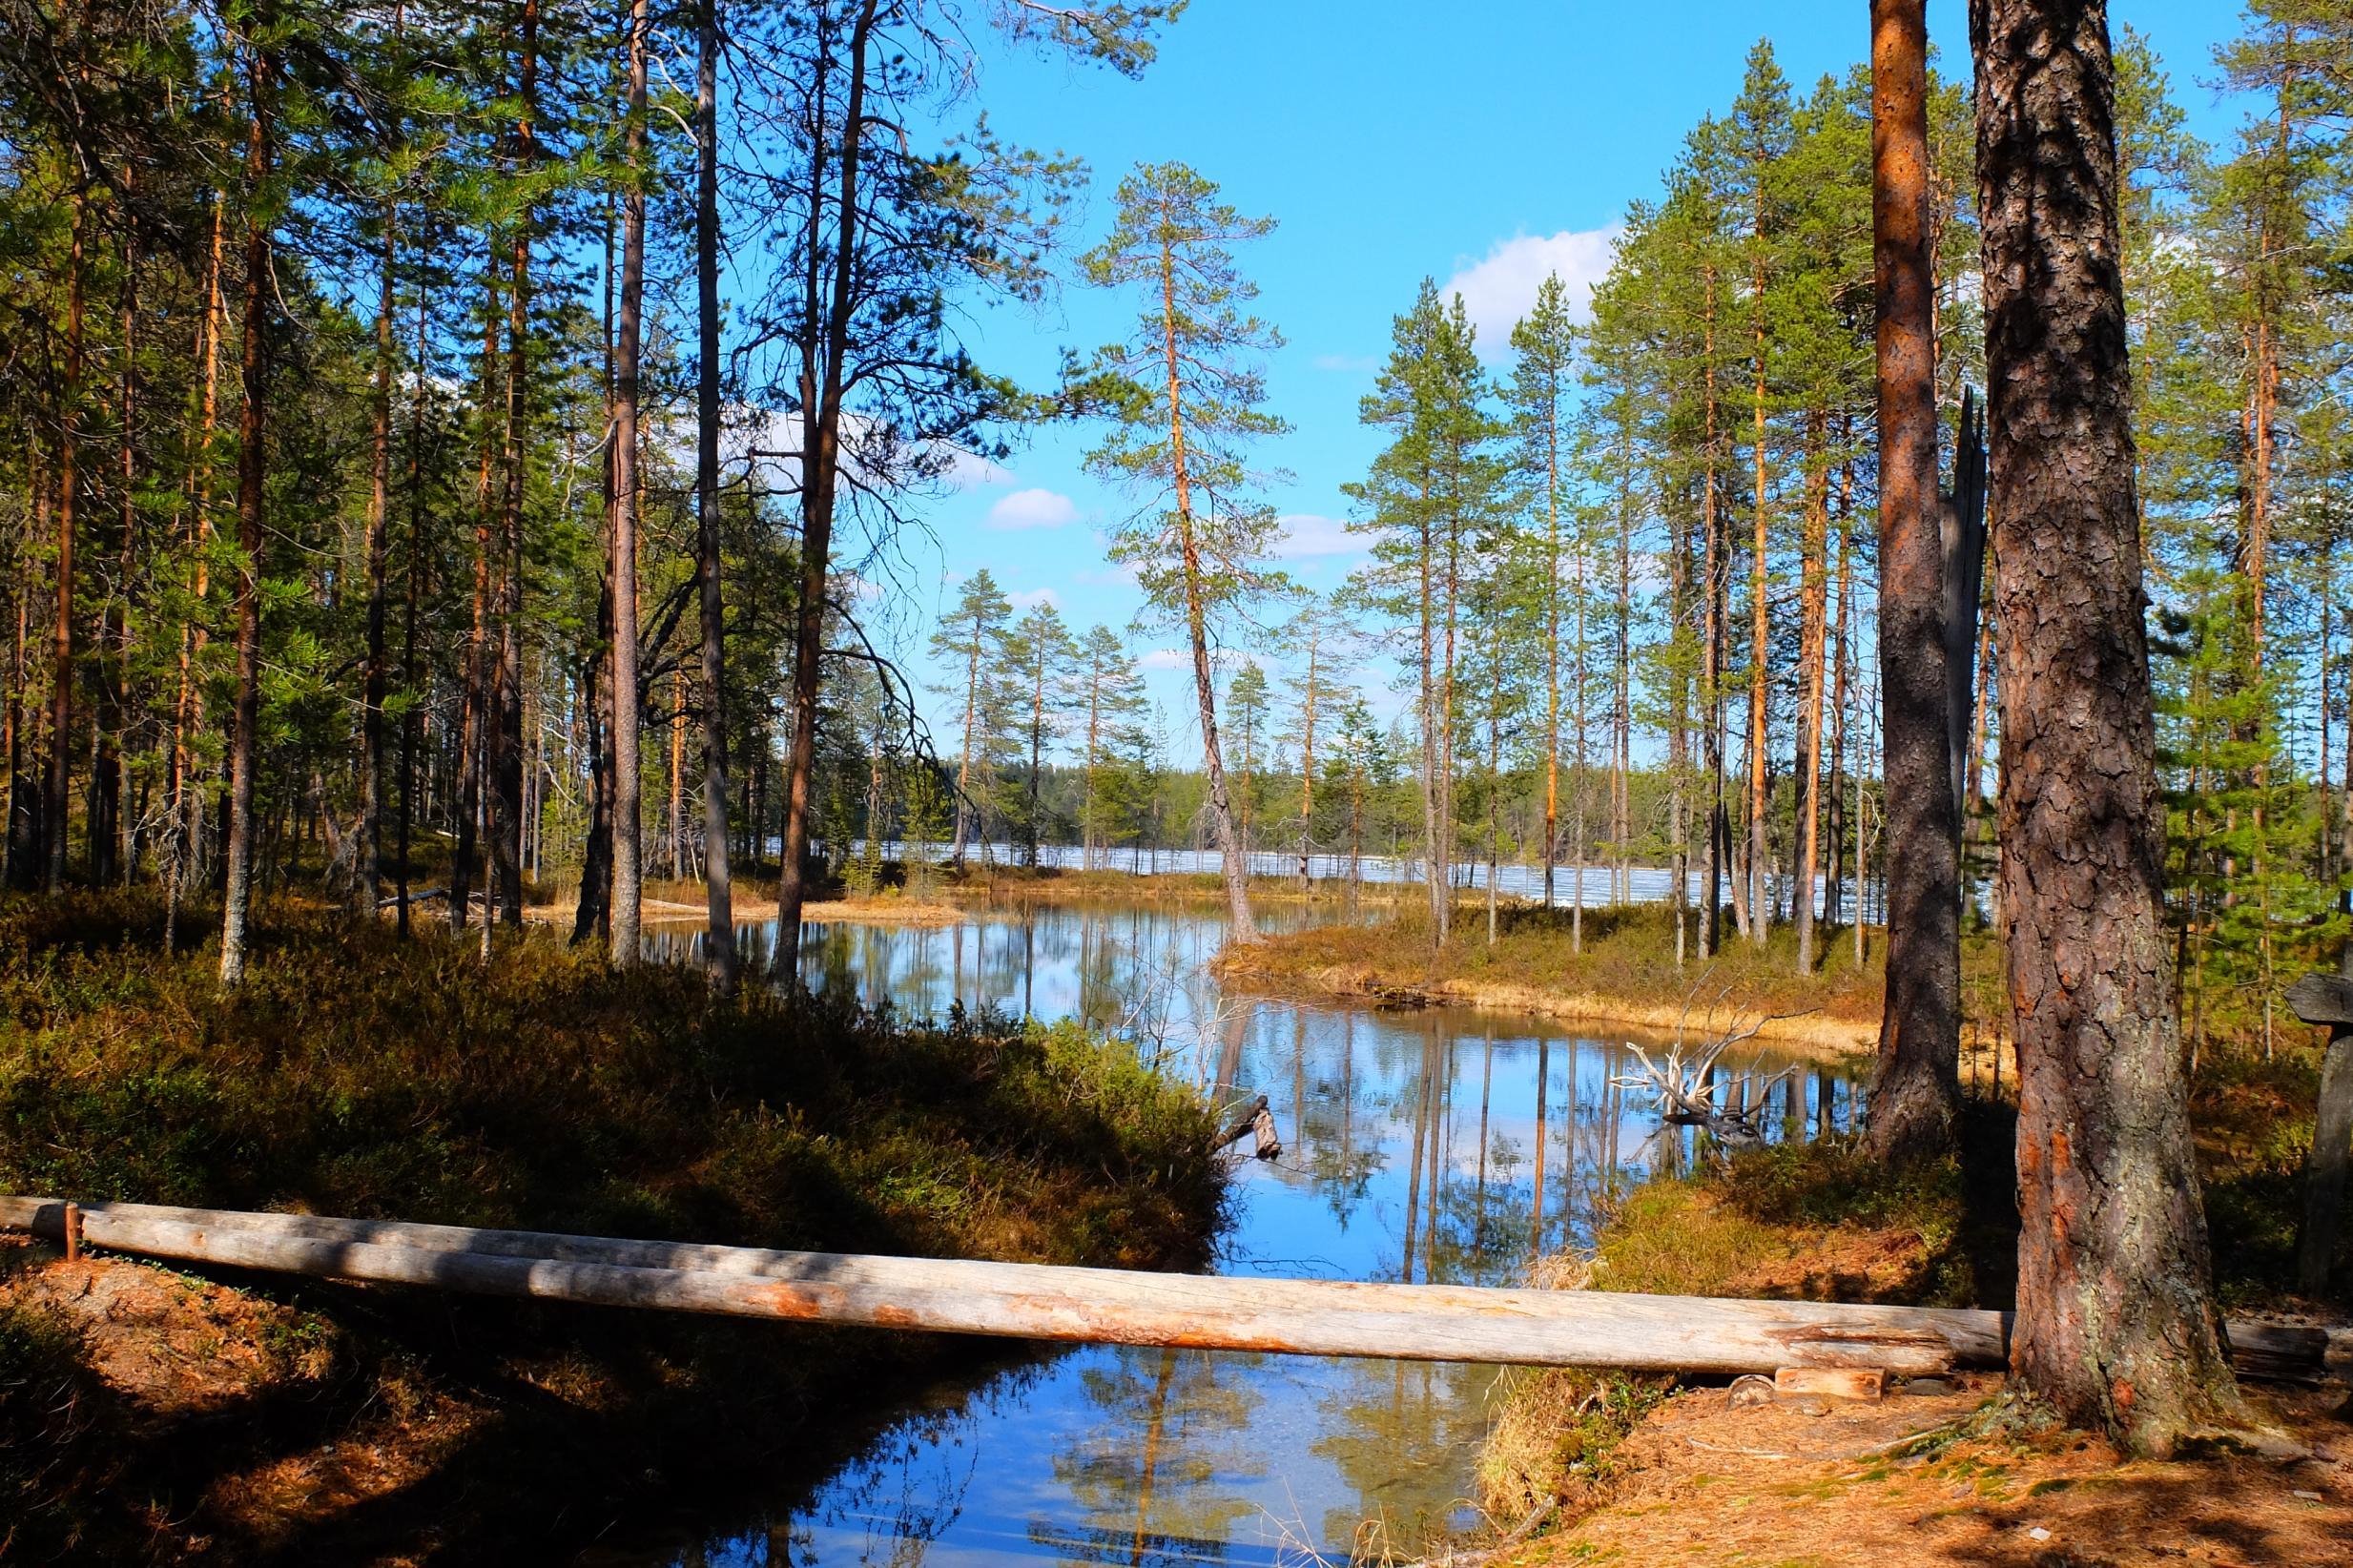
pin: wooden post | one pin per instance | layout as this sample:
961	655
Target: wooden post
2326	999
73	1233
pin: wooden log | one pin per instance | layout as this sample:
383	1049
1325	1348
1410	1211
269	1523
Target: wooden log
1836	1382
1034	1301
1243	1123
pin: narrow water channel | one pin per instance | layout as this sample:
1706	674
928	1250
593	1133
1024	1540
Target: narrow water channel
1440	1144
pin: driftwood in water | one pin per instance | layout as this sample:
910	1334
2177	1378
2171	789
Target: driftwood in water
1244	1123
1270	1141
1033	1301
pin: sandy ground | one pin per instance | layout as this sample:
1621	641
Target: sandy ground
1837	1484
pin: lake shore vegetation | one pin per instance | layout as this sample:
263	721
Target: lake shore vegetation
355	1074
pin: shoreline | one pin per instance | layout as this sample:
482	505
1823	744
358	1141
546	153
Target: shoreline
1810	1034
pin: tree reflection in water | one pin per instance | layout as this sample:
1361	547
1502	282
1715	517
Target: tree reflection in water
1119	1457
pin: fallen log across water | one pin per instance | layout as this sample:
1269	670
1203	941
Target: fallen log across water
1035	1301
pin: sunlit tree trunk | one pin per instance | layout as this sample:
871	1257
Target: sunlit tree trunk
1915	1090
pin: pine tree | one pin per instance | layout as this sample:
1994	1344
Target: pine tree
1039	655
1438	481
972	638
1182	396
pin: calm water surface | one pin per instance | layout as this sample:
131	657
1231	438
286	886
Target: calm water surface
1440	1144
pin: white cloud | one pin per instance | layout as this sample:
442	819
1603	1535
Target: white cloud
1167	658
1309	535
1498	291
1033	508
1353	364
971	471
1031	598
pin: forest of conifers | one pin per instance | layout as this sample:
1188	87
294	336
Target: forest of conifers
387	488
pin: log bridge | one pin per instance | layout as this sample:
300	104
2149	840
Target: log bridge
1105	1306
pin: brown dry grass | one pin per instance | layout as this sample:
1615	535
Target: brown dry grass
1623	972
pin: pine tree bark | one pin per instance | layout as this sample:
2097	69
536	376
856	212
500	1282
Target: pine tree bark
1759	918
251	471
55	807
474	705
719	937
507	748
365	883
1915	1087
412	719
620	569
1814	636
2115	1323
1713	572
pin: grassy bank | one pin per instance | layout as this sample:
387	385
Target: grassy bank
1622	972
357	1075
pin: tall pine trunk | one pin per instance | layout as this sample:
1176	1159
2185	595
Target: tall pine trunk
507	748
719	939
1812	642
363	887
822	374
252	430
1915	1088
620	569
55	807
1196	626
1715	570
2115	1323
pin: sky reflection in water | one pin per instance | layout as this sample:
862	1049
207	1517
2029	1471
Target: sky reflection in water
1409	1153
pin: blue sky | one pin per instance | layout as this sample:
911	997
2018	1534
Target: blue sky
1482	145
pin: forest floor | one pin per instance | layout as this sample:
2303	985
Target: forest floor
153	1414
1952	1470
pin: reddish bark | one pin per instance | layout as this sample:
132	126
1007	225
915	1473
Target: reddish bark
2115	1319
1915	1089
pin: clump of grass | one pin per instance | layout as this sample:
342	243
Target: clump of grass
1782	1220
1557	1436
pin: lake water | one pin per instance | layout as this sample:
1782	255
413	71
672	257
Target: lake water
1438	1145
